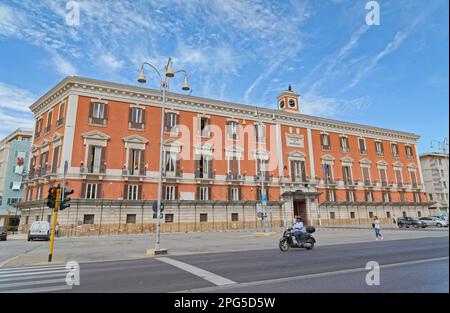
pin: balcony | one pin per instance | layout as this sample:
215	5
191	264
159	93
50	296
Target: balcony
401	185
93	170
368	183
38	134
326	147
204	175
134	172
265	178
33	173
329	182
59	121
97	120
133	125
171	129
235	177
172	174
300	179
380	154
45	171
363	151
345	149
205	133
349	183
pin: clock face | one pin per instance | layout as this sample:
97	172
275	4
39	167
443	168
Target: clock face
292	103
282	104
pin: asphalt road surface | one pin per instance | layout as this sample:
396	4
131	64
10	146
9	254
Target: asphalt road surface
416	265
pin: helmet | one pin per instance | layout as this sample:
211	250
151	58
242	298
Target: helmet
298	219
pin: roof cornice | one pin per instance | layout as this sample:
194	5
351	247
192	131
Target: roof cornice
133	94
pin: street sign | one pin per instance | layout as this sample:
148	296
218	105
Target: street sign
160	216
155	207
264	198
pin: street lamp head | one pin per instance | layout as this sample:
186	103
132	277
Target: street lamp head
185	83
169	68
141	78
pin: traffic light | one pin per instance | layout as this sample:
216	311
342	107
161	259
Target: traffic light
51	198
65	201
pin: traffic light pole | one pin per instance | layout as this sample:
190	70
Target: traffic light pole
55	217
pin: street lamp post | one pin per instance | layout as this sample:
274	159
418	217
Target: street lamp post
263	193
164	83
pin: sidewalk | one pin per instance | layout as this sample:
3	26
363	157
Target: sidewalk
119	247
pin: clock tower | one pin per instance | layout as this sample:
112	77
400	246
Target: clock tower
288	101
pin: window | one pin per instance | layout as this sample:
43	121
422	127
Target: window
347	175
60	119
91	191
203	217
203	193
352	215
234	217
233	165
388	214
408	151
204	126
417	197
327	172
398	176
350	196
369	196
430	196
203	167
362	146
413	179
171	162
232	132
171	122
370	214
419	213
136	118
133	192
37	218
383	177
444	184
169	218
262	168
170	193
394	149
258	193
37	130
331	195
98	110
402	196
88	219
12	201
379	148
260	133
404	214
366	176
298	170
49	122
234	194
332	215
131	218
325	141
344	144
386	197
96	159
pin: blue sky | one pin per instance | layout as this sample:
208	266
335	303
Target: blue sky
394	75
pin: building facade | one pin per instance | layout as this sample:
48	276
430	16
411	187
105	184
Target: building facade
14	155
435	175
327	171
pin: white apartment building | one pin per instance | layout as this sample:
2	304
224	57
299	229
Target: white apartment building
435	176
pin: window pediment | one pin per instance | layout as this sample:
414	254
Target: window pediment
95	135
365	161
297	154
328	157
135	139
412	166
397	164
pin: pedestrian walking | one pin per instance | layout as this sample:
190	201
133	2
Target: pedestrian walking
376	225
57	229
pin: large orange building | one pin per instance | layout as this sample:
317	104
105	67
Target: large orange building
215	154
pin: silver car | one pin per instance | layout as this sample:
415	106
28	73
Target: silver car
434	221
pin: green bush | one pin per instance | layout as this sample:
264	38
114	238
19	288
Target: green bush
13	228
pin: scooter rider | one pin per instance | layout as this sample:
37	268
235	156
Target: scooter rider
299	229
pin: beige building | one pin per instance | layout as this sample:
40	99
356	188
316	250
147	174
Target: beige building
435	175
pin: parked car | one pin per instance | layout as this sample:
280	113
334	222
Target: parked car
434	221
39	230
410	222
3	233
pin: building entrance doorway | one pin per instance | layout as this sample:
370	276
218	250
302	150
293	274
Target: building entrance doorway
300	210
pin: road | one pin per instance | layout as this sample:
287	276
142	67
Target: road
413	265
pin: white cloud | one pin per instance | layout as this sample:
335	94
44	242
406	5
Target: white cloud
62	66
317	105
14	98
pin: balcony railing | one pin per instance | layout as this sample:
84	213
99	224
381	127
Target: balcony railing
32	173
93	170
401	185
329	182
134	172
47	129
349	182
54	169
170	174
300	179
380	154
44	171
235	177
135	125
264	177
345	149
368	183
59	121
204	175
97	120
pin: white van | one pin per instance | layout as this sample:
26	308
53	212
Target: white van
39	230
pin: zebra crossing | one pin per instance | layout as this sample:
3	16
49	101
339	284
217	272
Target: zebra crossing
34	279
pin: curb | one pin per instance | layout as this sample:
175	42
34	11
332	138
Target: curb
262	234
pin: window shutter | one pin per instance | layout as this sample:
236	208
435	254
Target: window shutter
83	191
166	121
176	193
209	193
143	116
61	110
105	115
130	115
163	192
142	164
99	191
55	158
198	197
176	120
91	110
197	167
49	118
178	167
103	159
90	156
321	139
229	193
140	192
239	193
125	191
210	168
302	166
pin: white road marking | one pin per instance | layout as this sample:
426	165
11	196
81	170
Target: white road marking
33	273
25	269
211	277
35	282
43	289
34	277
287	279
